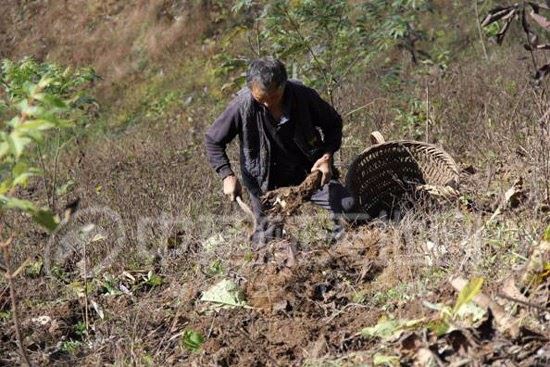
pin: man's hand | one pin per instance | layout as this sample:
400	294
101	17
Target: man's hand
232	187
324	164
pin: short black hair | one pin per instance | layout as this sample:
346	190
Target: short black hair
268	73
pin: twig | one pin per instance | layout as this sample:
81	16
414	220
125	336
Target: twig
86	320
507	196
363	107
528	304
480	32
342	310
55	169
427	112
5	246
318	63
45	175
533	58
504	322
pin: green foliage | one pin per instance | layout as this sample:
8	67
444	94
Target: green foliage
385	360
71	346
389	329
157	108
109	285
37	98
412	118
326	41
463	310
389	298
192	340
80	328
467	294
386	23
64	82
5	315
216	268
153	280
317	38
34	268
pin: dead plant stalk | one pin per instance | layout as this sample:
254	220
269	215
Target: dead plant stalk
5	247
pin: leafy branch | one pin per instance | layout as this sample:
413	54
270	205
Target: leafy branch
35	102
520	12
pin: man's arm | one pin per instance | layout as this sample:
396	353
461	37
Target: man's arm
222	131
329	121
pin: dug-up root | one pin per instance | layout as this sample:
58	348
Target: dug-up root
286	200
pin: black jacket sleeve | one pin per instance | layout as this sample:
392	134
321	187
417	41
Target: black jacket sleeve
329	121
222	131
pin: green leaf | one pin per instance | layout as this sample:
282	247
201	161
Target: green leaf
21	173
65	188
45	82
225	293
384	360
46	219
14	122
439	326
17	143
215	268
19	169
468	293
29	88
154	280
37	124
192	340
390	329
4	149
471	311
53	101
15	203
29	109
385	329
34	269
5	315
43	217
5	186
22	179
546	236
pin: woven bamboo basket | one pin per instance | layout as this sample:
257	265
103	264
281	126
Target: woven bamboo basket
388	174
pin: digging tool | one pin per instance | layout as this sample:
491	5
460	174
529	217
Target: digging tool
245	208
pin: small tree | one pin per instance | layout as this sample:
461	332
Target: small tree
36	99
327	41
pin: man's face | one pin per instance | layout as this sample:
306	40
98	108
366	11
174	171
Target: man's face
269	98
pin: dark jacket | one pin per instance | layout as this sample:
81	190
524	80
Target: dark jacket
318	130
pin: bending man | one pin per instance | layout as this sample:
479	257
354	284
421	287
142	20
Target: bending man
286	130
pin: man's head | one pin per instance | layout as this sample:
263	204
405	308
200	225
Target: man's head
266	79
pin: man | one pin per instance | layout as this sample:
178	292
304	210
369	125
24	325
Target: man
286	130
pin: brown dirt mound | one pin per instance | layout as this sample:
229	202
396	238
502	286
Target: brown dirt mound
300	312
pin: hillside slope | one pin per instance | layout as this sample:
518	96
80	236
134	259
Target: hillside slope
163	233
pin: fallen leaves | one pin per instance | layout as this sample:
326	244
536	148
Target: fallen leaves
225	294
476	329
538	267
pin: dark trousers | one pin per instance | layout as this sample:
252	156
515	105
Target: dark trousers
333	197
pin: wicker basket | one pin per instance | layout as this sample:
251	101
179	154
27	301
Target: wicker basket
387	173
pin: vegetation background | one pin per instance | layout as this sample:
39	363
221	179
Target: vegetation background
146	78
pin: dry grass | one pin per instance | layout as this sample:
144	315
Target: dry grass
152	183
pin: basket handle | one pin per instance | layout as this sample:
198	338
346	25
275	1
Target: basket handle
377	138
